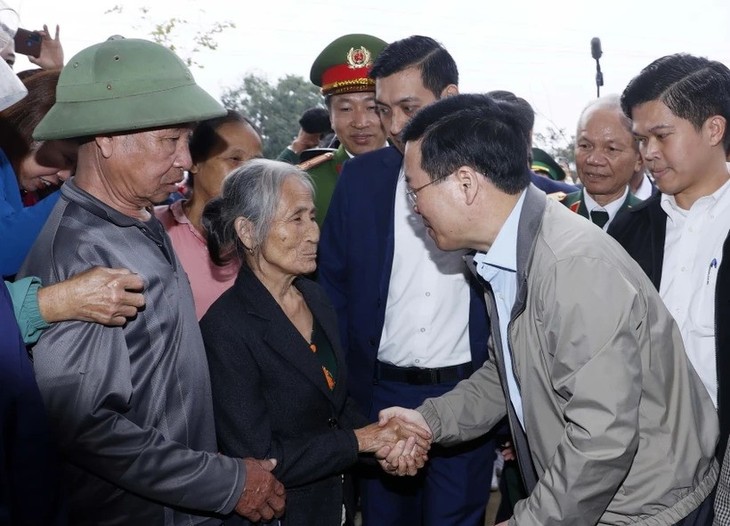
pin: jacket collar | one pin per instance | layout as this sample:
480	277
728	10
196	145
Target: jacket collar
281	335
91	204
533	210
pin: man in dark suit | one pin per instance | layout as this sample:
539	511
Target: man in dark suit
411	324
606	158
680	107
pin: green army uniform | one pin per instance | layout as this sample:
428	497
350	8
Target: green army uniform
324	169
288	156
324	176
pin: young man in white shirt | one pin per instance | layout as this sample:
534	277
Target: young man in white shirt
680	107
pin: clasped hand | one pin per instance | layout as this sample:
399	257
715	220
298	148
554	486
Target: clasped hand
263	496
400	440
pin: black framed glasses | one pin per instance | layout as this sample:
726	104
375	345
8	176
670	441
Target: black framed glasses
413	194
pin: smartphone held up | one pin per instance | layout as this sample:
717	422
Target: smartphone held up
28	42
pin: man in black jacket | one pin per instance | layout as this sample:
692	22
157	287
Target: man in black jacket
680	107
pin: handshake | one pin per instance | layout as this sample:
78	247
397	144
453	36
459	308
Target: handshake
400	440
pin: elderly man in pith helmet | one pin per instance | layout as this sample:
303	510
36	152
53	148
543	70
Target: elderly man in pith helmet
131	406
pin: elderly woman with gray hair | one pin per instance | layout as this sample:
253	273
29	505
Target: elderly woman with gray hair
277	369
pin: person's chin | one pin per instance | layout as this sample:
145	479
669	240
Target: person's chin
359	149
162	196
432	234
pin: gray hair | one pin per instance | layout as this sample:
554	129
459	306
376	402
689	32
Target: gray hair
612	103
251	191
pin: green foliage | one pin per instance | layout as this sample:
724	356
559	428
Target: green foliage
274	108
176	29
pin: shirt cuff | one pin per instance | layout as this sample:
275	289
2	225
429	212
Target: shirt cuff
24	293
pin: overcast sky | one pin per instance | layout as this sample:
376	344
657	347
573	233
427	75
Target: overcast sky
538	49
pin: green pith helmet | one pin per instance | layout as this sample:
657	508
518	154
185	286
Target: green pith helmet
124	85
543	162
344	65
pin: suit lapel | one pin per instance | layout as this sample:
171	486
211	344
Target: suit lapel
327	319
582	208
279	333
383	205
339	158
574	202
658	229
630	202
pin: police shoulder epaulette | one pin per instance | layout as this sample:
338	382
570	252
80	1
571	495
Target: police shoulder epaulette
315	161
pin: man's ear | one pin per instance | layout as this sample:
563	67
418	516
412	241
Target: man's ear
450	91
716	128
106	144
244	231
468	181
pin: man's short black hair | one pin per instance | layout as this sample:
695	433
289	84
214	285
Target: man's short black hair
523	111
693	88
475	131
438	68
316	120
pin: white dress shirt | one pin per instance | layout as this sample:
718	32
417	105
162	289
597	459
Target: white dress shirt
427	313
692	256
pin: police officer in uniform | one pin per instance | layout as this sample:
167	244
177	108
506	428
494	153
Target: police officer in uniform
342	70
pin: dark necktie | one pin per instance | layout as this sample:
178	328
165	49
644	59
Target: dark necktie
599	217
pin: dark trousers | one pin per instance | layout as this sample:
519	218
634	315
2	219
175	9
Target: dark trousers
453	487
702	516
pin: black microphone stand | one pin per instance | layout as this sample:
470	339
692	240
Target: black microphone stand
599	79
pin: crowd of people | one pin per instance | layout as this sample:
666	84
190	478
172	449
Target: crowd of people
408	296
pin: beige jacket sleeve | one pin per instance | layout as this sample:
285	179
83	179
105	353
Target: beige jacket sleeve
468	411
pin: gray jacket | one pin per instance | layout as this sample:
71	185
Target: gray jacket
130	406
619	429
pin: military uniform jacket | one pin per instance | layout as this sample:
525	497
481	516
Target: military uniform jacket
620	428
577	204
324	177
130	406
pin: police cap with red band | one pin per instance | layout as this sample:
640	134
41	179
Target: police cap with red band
343	66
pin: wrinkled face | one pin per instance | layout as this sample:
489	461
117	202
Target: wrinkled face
291	245
399	97
605	154
677	154
436	202
48	164
237	143
356	123
144	168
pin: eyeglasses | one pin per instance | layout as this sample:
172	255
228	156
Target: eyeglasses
412	194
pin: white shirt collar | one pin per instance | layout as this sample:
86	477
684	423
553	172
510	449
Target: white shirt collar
612	208
503	252
707	202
